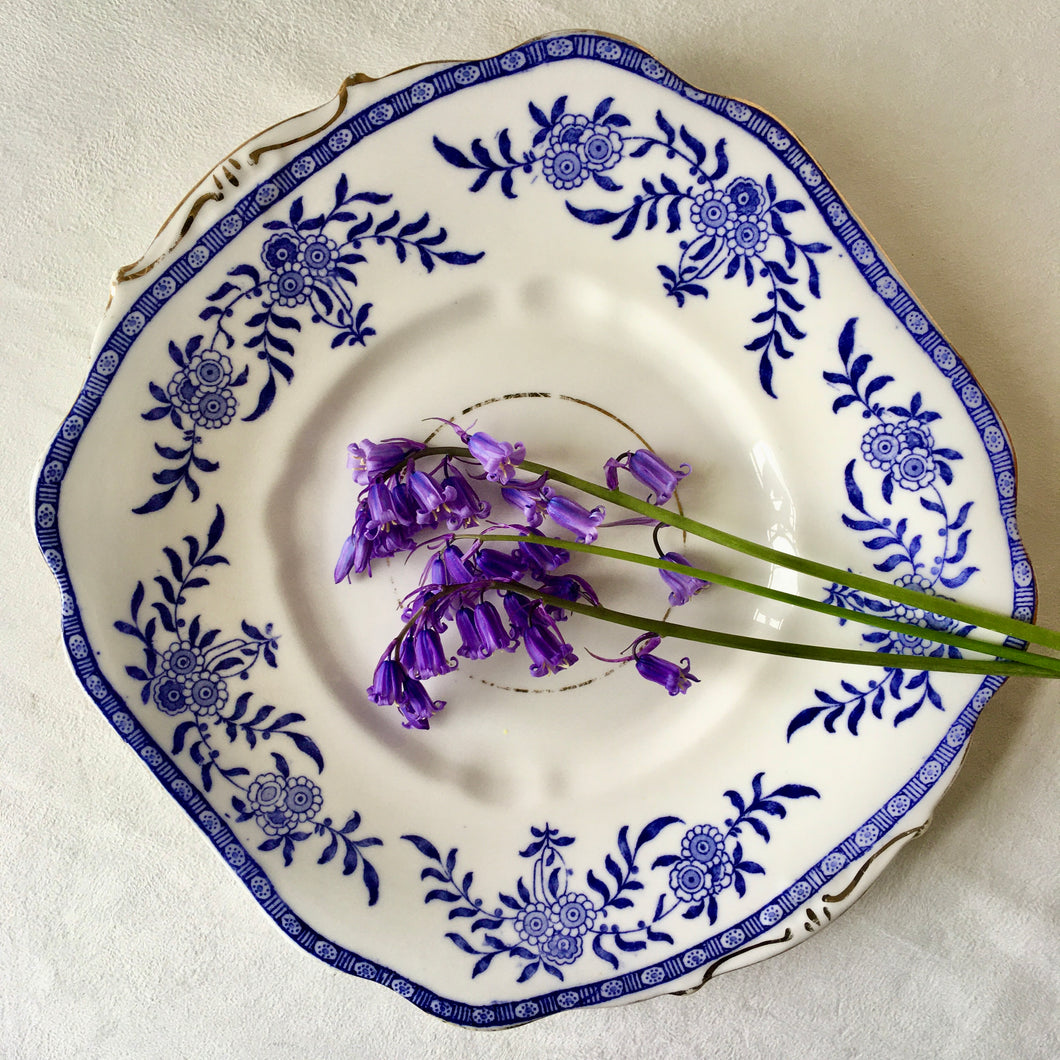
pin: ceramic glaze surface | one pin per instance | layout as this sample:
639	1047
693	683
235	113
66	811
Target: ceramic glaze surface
571	246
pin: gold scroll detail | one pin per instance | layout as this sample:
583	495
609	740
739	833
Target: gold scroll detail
229	168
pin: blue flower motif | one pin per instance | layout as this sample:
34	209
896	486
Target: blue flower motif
182	391
746	196
290	286
209	371
692	881
914	469
207	693
534	923
747	236
182	662
562	949
709	212
212	408
280	250
915	435
280	803
881	445
578	147
705	844
318	255
574	914
170	695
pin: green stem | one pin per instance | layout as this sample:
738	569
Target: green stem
789	649
967	613
1042	662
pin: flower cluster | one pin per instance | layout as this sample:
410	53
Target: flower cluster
705	867
737	214
904	450
295	260
201	389
556	928
577	147
279	803
185	682
487	599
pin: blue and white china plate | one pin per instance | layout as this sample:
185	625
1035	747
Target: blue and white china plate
577	249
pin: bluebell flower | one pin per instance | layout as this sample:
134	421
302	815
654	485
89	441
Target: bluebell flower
675	679
682	586
491	630
388	684
465	507
519	610
528	498
651	470
498	459
367	459
428	498
428	656
499	566
572	516
457	572
542	559
418	707
382	510
568	587
547	650
471	645
357	549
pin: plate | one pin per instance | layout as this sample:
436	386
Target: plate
570	245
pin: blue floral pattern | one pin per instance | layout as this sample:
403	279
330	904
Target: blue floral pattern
191	669
735	228
546	923
307	266
900	447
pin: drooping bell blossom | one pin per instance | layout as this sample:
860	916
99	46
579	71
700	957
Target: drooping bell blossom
492	631
675	679
418	707
357	550
404	504
457	572
498	459
572	516
428	498
388	684
518	609
646	467
428	656
568	587
495	565
542	559
382	511
465	507
548	652
682	586
471	646
368	459
528	499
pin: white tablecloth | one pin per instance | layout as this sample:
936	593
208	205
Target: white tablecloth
123	934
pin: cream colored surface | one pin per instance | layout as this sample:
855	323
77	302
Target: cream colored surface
124	935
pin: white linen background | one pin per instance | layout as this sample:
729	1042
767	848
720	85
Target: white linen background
124	935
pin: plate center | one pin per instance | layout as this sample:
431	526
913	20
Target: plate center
578	374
